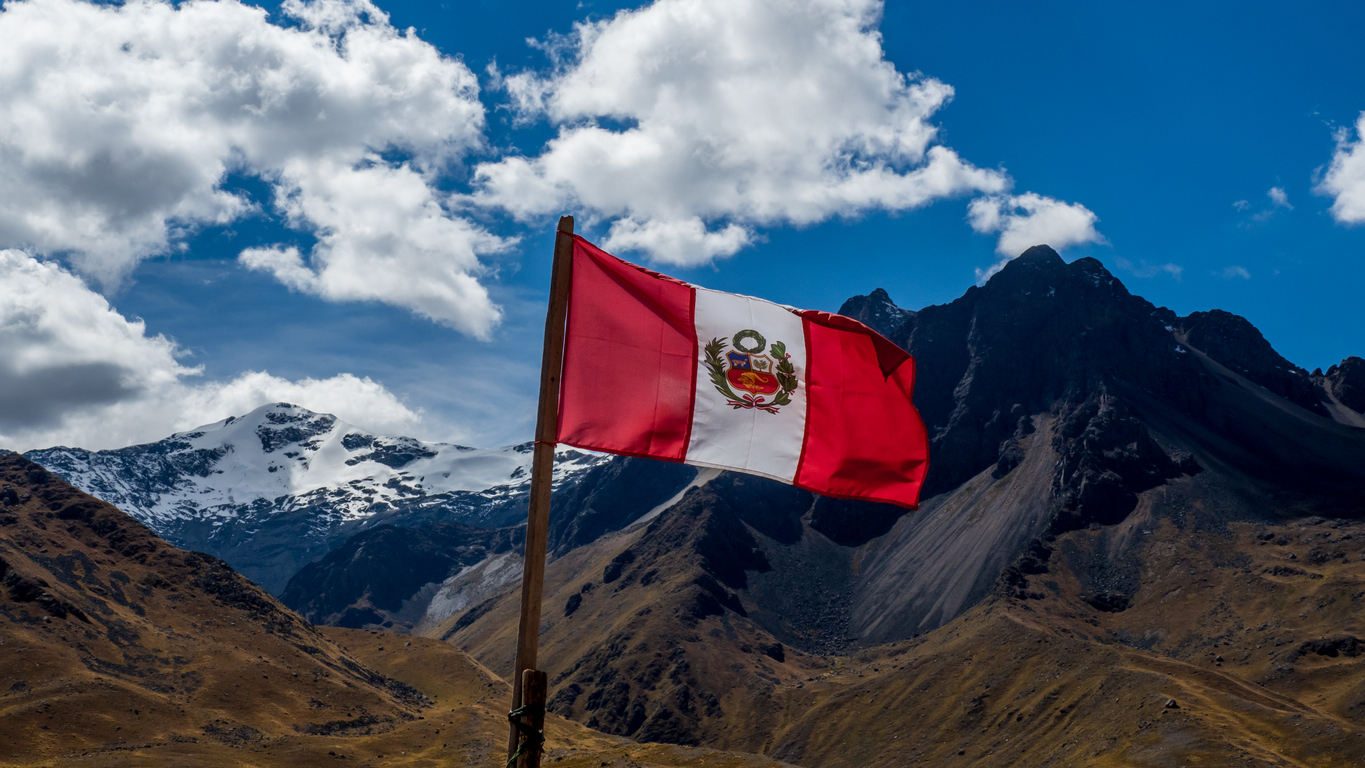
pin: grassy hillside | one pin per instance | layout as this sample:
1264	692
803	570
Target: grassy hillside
1251	629
120	650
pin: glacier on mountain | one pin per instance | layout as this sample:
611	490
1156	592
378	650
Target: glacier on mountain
278	487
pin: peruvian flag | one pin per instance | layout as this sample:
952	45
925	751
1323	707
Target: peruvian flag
659	368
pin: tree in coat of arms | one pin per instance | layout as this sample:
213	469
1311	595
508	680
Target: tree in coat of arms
746	376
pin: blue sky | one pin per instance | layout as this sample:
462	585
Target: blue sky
1189	148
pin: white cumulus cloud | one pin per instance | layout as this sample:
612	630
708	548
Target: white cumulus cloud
1345	176
122	124
1030	219
688	123
677	241
383	236
76	372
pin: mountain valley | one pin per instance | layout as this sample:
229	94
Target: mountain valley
1142	543
1113	510
121	650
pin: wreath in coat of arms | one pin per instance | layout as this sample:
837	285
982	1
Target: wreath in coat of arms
746	376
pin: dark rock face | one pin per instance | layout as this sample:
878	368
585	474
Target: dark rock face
281	429
613	570
1236	343
35	590
1068	340
877	311
726	547
707	529
373	575
1347	383
1040	333
398	453
1107	458
773	509
852	523
1011	456
610	496
386	565
1108	602
572	604
1346	645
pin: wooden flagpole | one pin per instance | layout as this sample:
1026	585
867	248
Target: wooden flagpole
538	516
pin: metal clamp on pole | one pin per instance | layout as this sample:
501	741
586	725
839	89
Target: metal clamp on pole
528	721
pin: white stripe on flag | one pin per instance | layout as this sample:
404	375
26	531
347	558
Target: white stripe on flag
749	439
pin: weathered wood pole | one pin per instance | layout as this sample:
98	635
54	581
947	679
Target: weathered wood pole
542	472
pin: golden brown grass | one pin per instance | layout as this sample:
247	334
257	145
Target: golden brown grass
181	662
1226	622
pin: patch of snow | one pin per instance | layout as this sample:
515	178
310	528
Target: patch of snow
280	458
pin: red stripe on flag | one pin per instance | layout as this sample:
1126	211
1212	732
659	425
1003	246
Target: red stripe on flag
864	438
630	360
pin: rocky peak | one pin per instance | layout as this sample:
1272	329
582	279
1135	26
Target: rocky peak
877	311
1040	273
1040	333
1234	342
1346	382
283	424
1038	256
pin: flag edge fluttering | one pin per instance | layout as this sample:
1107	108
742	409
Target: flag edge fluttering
890	360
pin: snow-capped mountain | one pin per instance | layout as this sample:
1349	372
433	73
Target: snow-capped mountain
280	486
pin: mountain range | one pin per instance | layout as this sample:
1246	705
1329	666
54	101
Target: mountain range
274	489
1141	544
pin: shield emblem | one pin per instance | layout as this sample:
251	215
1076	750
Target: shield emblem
752	373
747	377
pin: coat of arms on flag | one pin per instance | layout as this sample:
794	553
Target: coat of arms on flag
766	381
